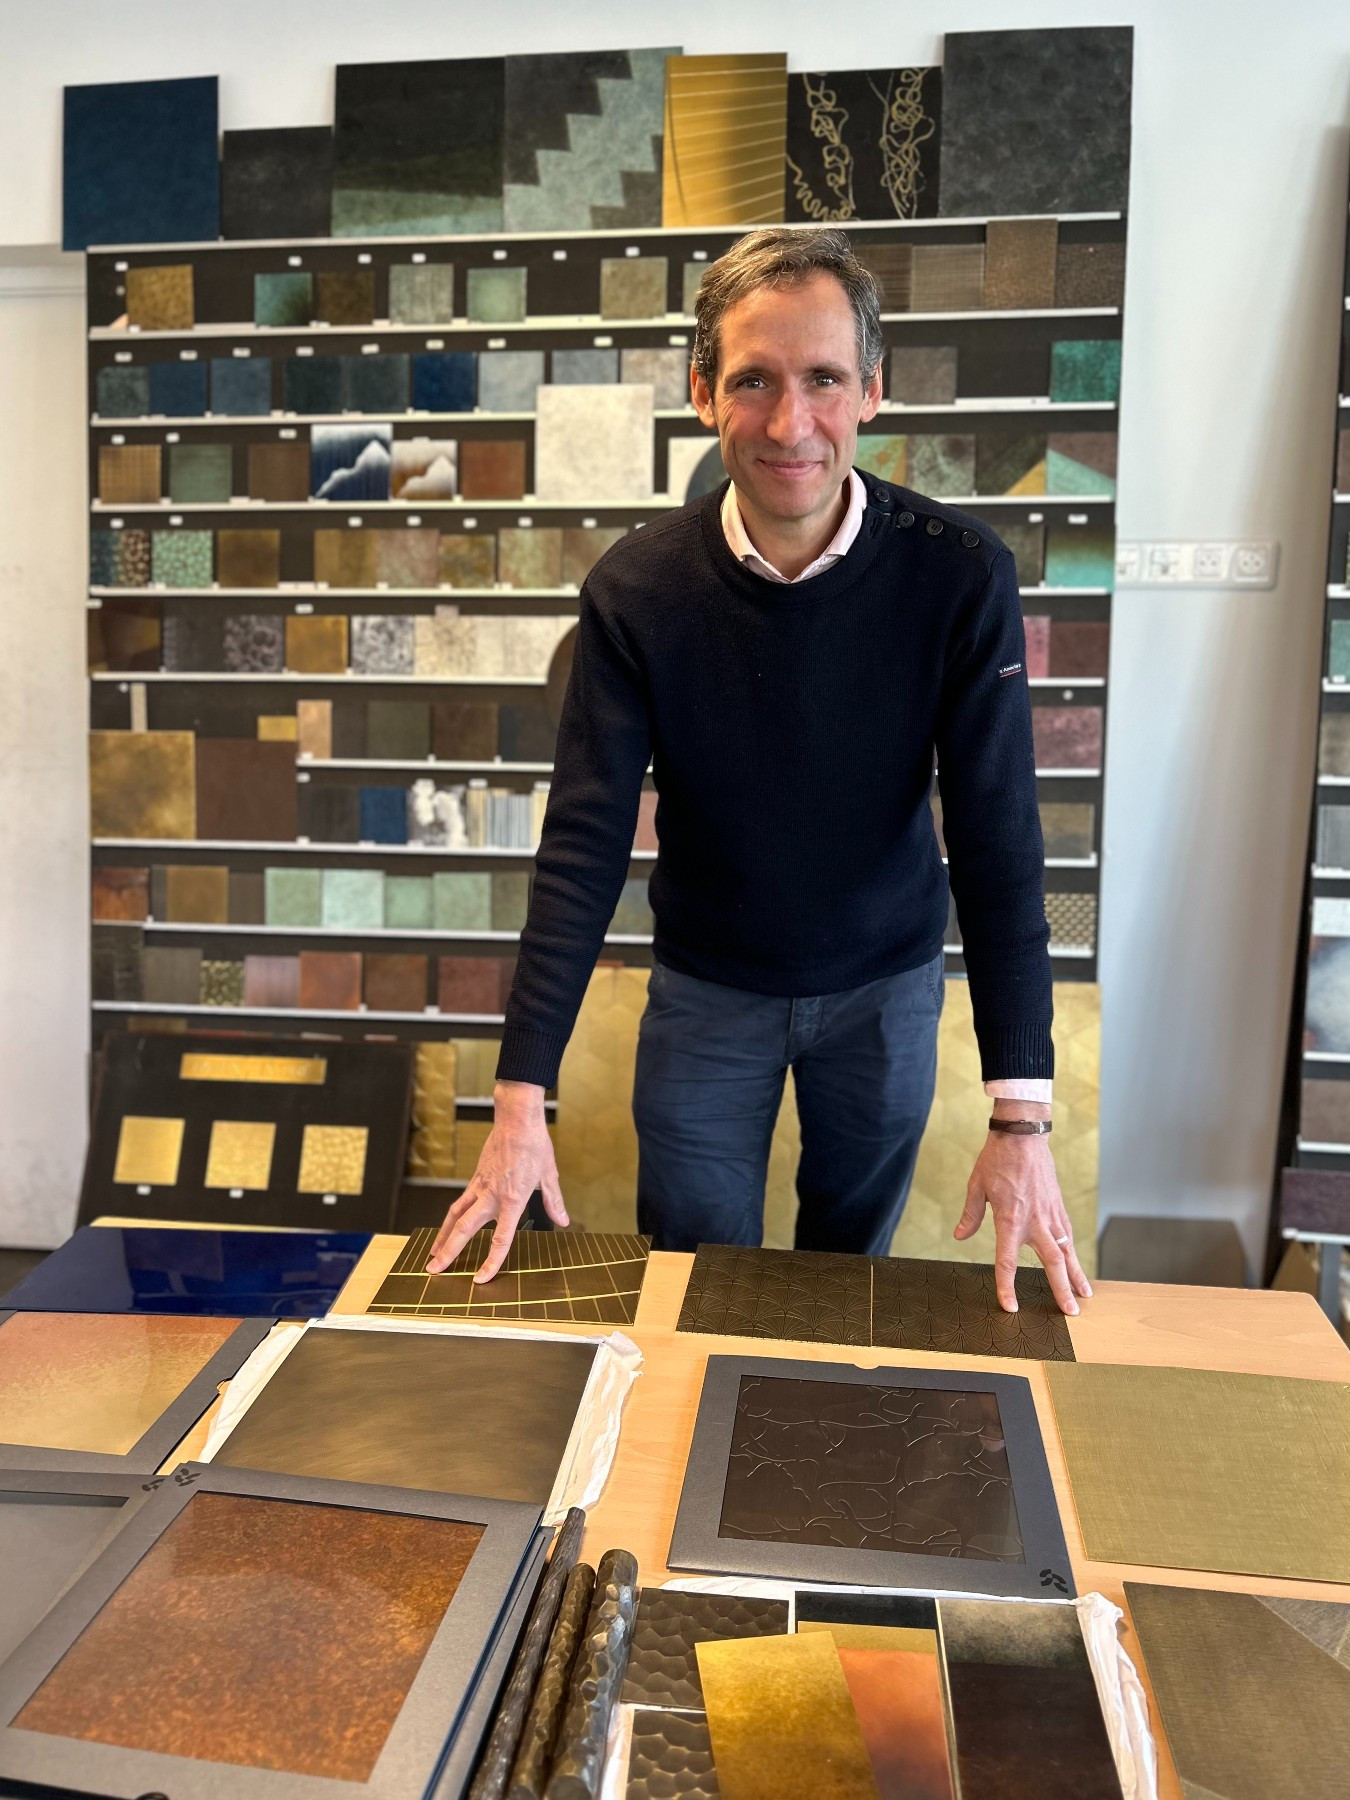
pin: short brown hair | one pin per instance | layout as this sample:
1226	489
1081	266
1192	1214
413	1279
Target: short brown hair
782	256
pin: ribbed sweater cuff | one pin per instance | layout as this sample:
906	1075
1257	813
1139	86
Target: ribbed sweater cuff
1016	1052
531	1056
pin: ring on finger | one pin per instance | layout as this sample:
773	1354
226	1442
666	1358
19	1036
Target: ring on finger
1061	1241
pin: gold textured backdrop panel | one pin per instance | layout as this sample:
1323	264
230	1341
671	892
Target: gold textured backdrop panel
597	1142
476	1066
431	1148
595	1138
957	1128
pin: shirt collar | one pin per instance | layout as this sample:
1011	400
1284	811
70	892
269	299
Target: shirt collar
738	539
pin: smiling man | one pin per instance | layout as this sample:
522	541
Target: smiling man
791	653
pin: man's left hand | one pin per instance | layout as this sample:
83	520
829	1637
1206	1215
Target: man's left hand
1015	1178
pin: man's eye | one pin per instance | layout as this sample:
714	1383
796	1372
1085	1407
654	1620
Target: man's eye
827	380
749	381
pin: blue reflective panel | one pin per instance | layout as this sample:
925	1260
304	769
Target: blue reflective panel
232	1274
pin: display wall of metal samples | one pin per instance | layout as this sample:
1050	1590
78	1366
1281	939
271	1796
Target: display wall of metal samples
1316	1115
345	490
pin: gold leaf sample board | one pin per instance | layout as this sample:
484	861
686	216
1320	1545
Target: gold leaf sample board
595	1277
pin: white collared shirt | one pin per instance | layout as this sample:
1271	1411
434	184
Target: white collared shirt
738	542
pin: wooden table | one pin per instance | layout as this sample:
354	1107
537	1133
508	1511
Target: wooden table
1246	1330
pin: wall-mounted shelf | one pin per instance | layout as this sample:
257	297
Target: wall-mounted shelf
1037	403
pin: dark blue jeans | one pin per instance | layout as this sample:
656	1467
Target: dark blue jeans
711	1062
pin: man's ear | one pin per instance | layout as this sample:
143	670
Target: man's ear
701	396
871	396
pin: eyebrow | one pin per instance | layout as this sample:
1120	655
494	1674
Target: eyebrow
840	371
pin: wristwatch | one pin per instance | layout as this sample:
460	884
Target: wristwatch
1022	1127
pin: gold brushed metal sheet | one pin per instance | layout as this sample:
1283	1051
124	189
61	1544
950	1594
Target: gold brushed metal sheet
285	1071
149	1151
1202	1469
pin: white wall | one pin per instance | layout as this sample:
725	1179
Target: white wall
1230	364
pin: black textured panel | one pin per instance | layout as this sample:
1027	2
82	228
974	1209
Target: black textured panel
813	1297
871	1468
662	1666
671	1758
899	1303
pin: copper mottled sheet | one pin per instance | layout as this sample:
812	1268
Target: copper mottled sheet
782	1721
1254	1692
123	894
898	1303
586	1275
142	784
671	1757
262	1633
853	1466
662	1664
492	469
897	1695
97	1381
456	1414
1206	1470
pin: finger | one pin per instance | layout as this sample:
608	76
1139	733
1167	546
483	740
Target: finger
501	1243
467	1199
972	1215
1079	1281
482	1212
554	1204
1005	1263
1052	1259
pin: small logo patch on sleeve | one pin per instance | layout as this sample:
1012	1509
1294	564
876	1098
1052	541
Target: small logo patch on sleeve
1009	669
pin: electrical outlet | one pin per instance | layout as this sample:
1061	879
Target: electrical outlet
1254	565
1209	562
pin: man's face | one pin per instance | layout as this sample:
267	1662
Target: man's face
789	397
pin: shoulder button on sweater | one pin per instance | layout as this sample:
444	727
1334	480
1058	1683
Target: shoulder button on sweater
934	528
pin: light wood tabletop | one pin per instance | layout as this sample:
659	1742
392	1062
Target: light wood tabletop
1244	1330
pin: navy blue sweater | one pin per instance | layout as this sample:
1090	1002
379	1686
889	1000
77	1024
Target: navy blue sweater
792	731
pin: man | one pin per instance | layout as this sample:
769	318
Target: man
790	653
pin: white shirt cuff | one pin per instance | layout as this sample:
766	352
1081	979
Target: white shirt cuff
1040	1091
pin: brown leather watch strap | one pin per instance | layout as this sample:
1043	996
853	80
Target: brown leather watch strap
1022	1127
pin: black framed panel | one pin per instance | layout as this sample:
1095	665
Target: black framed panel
51	1525
433	1707
358	1088
711	1532
159	1442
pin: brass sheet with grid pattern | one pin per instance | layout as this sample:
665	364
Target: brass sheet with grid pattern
591	1276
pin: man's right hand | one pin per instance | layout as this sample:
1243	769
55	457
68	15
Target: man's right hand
517	1158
